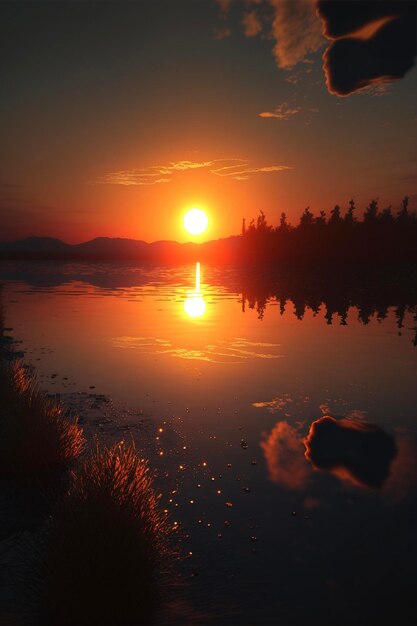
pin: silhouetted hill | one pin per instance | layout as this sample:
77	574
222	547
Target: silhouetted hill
118	249
36	245
106	247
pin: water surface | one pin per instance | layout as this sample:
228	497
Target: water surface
220	376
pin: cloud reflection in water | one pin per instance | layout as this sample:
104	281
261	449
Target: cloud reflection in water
284	455
356	452
238	350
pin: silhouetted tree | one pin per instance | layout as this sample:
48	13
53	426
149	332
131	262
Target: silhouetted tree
371	212
335	218
321	219
307	218
378	237
386	217
349	217
261	223
283	224
403	216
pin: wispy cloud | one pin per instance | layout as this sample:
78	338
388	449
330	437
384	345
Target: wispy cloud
242	170
152	175
237	169
282	112
285	111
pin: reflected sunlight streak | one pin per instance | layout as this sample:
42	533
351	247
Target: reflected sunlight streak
194	304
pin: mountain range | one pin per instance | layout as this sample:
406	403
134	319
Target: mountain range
119	249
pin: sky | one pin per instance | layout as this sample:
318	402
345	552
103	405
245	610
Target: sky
117	117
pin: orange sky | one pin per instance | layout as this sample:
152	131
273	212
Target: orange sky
98	95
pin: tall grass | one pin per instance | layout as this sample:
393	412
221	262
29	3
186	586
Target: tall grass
38	441
105	552
103	556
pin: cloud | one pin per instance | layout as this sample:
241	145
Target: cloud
152	175
284	111
293	79
343	18
222	31
296	30
251	24
355	451
224	6
238	169
128	178
369	30
372	43
242	170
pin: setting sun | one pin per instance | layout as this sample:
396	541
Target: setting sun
195	221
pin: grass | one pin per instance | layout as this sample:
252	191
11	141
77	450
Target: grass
38	441
103	555
106	548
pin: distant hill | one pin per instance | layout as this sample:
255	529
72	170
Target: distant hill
118	249
35	245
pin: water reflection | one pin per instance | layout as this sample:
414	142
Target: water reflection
194	304
354	451
336	294
284	456
236	351
214	382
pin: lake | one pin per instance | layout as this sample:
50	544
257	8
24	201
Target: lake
278	410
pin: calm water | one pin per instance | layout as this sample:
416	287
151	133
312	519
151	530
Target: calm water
218	376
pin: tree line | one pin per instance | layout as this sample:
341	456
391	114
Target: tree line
381	235
337	293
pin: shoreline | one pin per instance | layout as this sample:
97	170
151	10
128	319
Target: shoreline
33	525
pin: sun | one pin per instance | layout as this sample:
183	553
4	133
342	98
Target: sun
195	221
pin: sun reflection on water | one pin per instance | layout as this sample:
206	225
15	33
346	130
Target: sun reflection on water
194	304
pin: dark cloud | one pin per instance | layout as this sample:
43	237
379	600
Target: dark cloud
347	16
374	42
356	451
